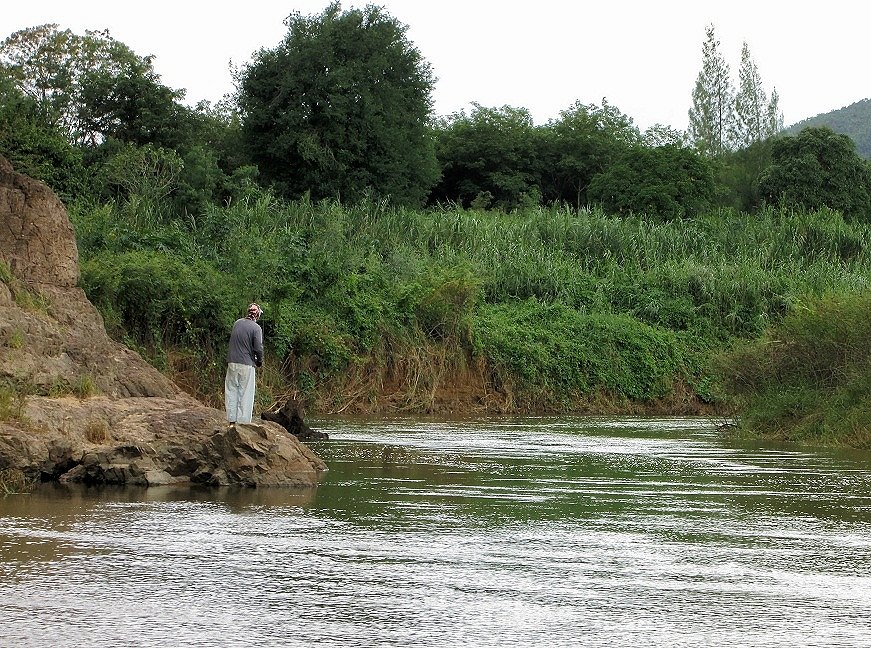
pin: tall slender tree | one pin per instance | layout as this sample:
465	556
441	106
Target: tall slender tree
773	123
751	102
712	116
758	117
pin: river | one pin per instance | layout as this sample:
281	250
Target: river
500	532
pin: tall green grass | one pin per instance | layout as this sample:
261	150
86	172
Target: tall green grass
337	280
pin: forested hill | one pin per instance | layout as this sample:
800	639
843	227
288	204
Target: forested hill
853	120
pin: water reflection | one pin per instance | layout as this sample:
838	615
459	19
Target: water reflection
566	532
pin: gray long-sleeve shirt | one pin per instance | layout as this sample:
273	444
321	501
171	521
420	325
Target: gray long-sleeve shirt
246	343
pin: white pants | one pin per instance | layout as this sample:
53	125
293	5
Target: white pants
239	392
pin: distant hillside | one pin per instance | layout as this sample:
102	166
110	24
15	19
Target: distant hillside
853	120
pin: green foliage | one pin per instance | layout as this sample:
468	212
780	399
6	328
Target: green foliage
567	352
13	339
6	275
757	117
35	146
808	378
447	300
127	102
488	159
155	297
146	172
13	395
24	296
340	109
353	290
815	169
309	332
665	182
738	174
712	116
90	87
83	386
581	143
73	106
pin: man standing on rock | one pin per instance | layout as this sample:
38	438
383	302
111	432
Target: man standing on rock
245	353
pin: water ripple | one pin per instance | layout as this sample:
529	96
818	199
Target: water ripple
540	532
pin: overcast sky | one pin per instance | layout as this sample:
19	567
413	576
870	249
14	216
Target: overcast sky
543	55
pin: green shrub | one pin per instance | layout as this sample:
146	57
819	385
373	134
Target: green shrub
154	296
6	275
307	331
13	395
809	377
569	352
14	339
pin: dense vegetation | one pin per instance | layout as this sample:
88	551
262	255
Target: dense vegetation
809	378
475	261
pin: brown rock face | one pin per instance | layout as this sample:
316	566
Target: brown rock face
142	429
36	238
50	334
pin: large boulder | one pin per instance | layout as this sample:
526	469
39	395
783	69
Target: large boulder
141	428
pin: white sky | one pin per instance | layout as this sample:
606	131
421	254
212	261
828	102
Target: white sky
642	55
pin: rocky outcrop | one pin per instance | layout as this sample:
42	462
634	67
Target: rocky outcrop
151	441
141	429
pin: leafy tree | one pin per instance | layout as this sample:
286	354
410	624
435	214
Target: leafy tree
773	115
42	62
127	102
487	158
340	108
90	87
218	127
738	174
666	182
580	144
37	147
818	168
750	102
663	135
712	116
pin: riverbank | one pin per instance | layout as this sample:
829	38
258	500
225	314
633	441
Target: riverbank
375	309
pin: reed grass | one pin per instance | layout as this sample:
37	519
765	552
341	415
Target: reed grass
337	280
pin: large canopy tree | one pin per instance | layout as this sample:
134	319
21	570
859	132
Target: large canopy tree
584	141
340	108
92	87
818	168
488	158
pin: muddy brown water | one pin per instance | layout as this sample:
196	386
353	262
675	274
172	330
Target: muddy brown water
500	532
